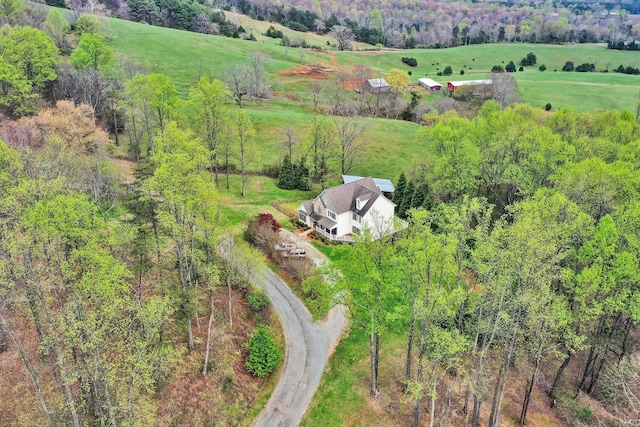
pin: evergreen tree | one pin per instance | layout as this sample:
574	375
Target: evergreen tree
421	197
286	177
264	354
399	192
302	178
405	204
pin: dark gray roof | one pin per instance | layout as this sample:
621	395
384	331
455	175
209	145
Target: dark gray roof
306	207
383	184
327	222
315	216
342	198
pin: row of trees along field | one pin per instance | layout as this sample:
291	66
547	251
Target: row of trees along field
104	276
527	266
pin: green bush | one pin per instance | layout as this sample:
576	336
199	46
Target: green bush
412	62
273	33
583	414
264	356
257	300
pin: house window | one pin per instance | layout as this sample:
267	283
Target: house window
355	230
357	217
358	204
331	214
319	210
302	217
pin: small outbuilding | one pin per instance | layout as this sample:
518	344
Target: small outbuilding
473	85
432	85
376	86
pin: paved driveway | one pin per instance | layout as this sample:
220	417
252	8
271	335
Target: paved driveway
308	347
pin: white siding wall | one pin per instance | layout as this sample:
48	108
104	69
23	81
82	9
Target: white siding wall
344	223
384	210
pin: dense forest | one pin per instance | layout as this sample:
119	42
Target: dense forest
526	265
116	306
398	24
520	260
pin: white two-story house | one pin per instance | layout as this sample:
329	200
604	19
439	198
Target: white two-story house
340	212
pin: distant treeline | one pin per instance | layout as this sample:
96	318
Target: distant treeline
383	22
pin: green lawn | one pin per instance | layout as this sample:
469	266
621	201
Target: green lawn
236	210
589	91
337	397
334	253
390	144
342	397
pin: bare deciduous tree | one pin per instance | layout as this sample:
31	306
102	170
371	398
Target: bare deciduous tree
101	185
505	89
349	131
260	85
344	37
291	141
237	79
622	381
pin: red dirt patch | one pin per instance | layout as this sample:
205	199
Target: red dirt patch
290	96
352	83
312	71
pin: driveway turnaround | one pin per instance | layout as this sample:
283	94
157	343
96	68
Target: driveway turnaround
308	347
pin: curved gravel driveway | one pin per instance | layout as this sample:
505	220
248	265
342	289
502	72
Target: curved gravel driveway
308	347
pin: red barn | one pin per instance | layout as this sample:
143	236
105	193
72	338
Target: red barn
472	83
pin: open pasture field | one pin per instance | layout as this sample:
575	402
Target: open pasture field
392	145
185	56
587	92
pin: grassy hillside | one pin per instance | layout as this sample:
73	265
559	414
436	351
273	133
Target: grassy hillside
392	145
185	56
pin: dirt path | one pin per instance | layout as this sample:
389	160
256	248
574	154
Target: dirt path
308	347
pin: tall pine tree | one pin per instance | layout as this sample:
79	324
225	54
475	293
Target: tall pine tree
421	198
302	179
286	177
407	197
399	191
